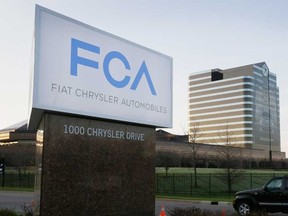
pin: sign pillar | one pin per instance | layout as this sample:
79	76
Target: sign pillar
92	167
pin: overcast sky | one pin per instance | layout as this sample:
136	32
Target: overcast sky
198	34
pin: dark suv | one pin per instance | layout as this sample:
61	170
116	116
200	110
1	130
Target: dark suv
273	197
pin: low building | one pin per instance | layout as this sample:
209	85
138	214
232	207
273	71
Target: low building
17	145
209	153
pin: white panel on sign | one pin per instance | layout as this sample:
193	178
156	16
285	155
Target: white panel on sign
79	69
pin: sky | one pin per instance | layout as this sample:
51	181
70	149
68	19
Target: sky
197	34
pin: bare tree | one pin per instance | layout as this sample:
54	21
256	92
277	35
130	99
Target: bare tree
193	135
230	155
167	160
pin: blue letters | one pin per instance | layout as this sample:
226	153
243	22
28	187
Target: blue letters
75	60
108	58
143	71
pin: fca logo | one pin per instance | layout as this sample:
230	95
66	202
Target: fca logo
75	60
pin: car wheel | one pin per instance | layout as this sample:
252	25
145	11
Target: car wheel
243	208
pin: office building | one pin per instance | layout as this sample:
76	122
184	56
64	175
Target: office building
237	106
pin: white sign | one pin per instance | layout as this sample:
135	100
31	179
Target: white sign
79	69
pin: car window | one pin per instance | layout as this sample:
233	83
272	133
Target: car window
274	185
286	183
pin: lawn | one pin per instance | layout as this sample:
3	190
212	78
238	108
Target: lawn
180	182
181	170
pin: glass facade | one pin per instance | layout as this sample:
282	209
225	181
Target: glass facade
266	120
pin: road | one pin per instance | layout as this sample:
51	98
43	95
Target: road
14	200
170	204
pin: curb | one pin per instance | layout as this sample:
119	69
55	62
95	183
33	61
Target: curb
196	201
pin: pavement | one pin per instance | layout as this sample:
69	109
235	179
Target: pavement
14	200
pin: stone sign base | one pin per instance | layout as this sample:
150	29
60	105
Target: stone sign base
92	167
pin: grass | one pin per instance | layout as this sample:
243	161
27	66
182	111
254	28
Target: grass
15	170
18	189
180	185
186	170
180	182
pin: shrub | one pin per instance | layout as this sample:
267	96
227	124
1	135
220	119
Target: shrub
259	213
193	211
190	211
7	212
28	210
